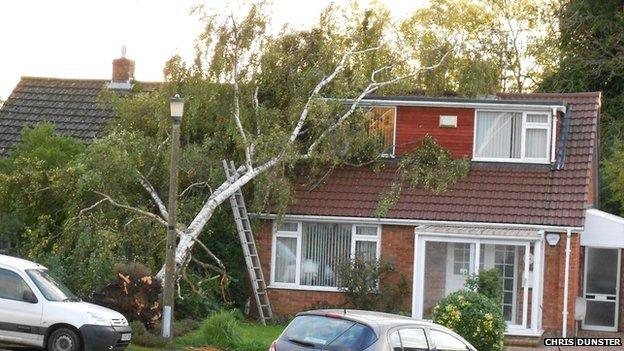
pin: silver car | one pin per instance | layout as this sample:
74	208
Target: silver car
355	330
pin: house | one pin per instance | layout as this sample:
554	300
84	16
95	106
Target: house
74	106
526	208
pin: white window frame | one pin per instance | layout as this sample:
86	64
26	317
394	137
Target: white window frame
299	235
525	125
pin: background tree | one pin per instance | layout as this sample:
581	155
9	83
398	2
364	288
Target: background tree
253	97
495	45
592	47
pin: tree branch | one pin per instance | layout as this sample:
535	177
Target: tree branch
158	151
194	185
107	198
154	196
371	87
256	106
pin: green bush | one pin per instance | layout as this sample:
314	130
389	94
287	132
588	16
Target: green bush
474	316
142	337
360	281
488	282
223	330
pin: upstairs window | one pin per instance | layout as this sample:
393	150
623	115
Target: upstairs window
512	136
382	122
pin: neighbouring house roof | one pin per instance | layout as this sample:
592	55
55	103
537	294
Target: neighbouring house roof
72	105
492	192
603	230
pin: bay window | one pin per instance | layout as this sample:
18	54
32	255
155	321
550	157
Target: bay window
309	254
512	136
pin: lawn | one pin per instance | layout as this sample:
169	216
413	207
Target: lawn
262	334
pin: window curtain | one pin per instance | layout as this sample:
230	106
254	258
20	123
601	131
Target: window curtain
536	143
499	134
366	250
285	259
324	248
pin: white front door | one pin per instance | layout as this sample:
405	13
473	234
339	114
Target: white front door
505	259
601	288
459	264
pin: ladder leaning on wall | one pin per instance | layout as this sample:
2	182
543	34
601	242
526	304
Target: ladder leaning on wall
248	242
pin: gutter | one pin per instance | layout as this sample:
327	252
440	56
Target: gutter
495	104
566	284
415	222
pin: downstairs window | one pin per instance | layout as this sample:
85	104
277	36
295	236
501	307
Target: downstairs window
309	254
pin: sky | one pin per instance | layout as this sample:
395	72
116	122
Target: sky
80	38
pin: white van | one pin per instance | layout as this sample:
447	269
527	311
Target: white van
37	310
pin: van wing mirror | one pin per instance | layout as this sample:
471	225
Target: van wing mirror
29	296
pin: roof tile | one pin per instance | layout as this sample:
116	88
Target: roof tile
503	193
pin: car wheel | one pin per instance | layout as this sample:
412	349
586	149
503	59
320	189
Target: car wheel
64	340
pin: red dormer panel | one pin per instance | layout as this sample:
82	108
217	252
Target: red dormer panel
413	123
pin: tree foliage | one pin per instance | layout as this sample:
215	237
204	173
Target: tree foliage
265	101
591	48
495	45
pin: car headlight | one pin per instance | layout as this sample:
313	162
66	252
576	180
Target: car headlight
97	319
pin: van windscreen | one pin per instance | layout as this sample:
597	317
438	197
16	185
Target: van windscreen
51	288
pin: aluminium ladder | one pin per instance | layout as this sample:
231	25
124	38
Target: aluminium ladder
248	242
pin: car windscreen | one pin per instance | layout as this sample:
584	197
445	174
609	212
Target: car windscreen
51	288
328	333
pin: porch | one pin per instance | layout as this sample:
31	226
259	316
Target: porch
445	256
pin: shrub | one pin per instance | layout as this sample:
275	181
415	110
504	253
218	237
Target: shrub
142	337
474	316
372	285
223	330
488	282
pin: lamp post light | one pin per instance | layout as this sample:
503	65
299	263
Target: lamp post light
177	109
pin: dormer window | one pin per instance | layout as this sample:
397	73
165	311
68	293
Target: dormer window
382	126
511	136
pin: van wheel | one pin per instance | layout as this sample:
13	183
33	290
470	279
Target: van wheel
63	339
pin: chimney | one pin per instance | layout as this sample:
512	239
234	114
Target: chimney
123	72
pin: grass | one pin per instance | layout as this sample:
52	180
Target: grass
262	335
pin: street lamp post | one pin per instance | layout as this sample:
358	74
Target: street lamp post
177	109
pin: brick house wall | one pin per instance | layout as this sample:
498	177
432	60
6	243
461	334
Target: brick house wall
413	123
397	243
397	246
554	274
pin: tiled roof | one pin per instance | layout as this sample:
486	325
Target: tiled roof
72	105
501	193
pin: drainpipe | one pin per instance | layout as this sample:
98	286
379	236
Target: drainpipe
566	284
